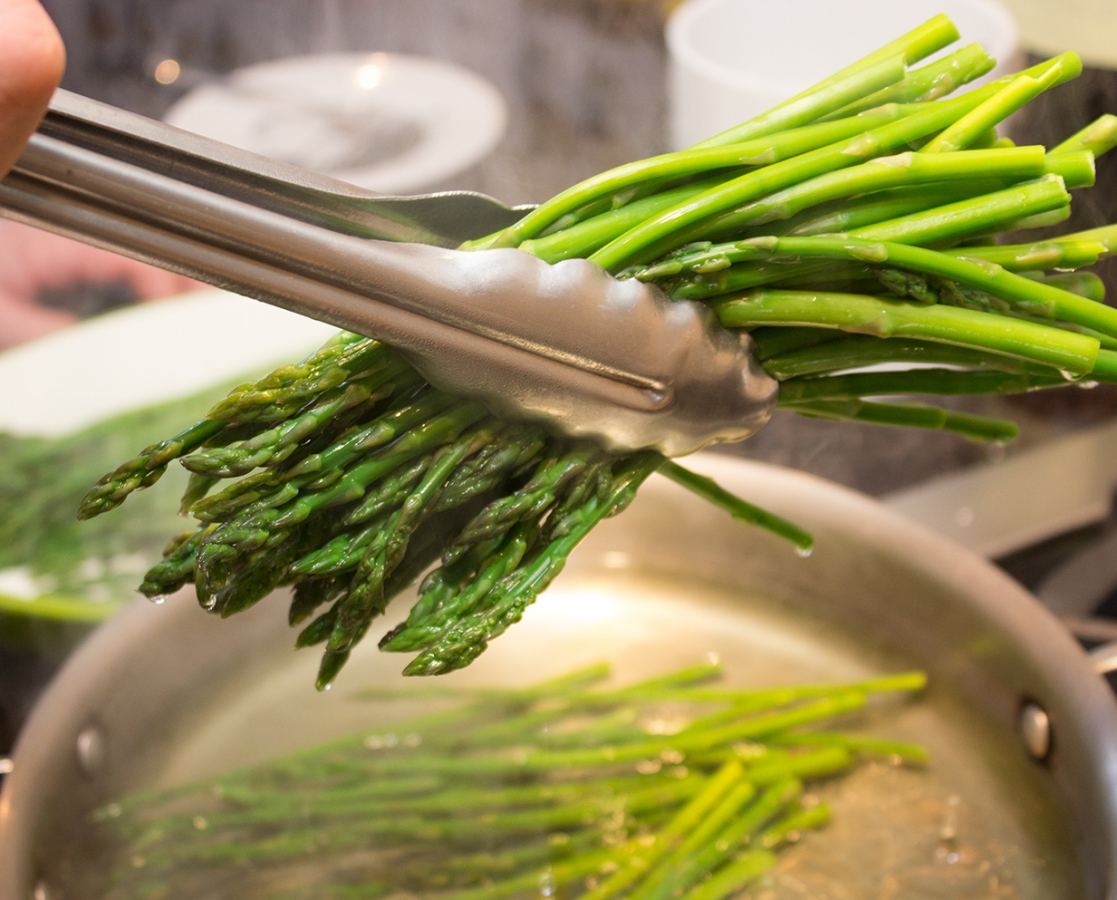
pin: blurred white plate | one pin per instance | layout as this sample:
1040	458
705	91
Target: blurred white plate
384	121
143	355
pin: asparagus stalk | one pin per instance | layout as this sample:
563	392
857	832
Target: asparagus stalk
881	173
1028	295
1099	137
816	101
929	82
1006	101
1062	350
739	509
943	224
747	154
658	234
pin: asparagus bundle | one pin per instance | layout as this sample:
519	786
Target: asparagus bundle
560	788
852	225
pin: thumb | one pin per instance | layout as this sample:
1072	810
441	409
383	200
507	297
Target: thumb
31	62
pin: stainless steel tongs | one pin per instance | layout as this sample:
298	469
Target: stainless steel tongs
565	344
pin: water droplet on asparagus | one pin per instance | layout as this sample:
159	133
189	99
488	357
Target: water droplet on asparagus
158	599
804	552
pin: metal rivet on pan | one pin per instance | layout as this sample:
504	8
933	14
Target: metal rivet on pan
6	766
91	750
40	892
1035	730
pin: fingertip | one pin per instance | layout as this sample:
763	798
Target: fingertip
32	53
32	60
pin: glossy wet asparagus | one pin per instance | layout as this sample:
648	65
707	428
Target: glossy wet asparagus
852	225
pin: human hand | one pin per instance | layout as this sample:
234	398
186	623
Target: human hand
31	62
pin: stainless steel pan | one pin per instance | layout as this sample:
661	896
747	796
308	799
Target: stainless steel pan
165	694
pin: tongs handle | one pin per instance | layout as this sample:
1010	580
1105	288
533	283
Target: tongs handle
444	220
566	343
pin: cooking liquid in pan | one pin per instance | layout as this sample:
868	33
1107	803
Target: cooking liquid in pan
976	823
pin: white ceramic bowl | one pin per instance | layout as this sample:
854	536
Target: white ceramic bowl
732	59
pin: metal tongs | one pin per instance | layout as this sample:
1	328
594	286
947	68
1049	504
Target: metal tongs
565	344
